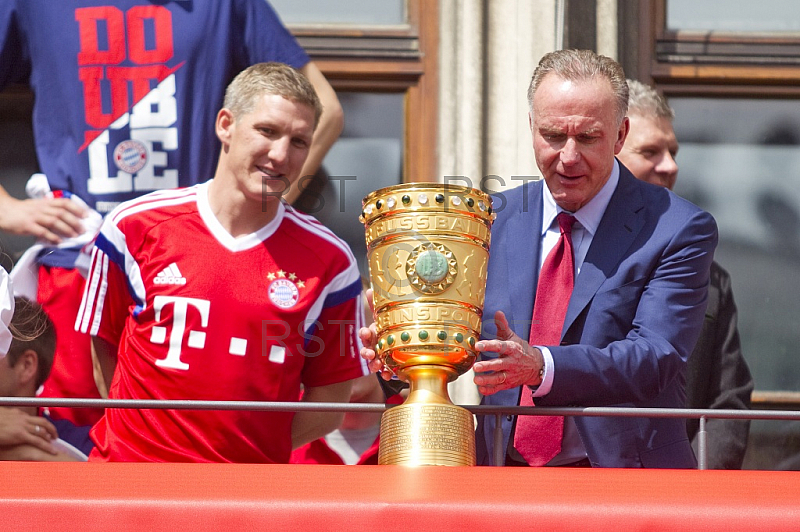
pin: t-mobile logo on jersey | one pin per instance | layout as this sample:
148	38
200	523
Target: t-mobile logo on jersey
139	96
196	339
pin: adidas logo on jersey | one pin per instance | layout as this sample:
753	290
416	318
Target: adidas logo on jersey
170	275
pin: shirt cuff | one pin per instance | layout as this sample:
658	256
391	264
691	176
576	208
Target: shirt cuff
547	377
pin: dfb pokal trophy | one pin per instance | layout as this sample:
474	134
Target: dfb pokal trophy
427	248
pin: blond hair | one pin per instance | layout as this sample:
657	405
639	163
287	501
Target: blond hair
270	78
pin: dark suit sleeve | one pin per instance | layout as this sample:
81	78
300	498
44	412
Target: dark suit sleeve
718	378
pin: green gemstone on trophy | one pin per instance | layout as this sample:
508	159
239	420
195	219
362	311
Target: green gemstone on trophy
441	335
406	199
390	340
471	341
431	266
459	337
439	198
404	336
423	335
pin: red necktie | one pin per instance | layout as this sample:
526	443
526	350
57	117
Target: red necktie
538	438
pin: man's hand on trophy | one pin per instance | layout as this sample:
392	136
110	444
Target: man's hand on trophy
369	339
518	362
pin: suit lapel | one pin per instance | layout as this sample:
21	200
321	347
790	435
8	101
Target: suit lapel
618	228
522	259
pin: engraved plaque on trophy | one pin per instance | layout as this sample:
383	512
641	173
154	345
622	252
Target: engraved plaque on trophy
427	248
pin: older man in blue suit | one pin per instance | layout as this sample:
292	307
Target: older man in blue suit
641	271
638	265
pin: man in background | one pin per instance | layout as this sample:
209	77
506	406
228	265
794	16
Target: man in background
717	375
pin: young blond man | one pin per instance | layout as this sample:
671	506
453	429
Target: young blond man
222	291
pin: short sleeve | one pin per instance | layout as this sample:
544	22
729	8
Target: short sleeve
264	36
334	344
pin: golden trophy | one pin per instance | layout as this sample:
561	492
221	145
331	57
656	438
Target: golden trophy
427	248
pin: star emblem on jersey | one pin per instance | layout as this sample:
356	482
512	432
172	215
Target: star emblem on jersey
170	275
284	288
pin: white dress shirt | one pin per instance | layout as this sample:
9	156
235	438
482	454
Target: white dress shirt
587	219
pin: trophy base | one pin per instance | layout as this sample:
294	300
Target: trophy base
417	434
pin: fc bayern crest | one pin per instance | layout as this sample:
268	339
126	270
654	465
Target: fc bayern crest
130	156
283	293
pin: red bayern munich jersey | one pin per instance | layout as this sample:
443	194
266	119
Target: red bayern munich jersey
201	315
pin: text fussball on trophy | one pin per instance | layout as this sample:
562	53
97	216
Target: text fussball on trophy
427	249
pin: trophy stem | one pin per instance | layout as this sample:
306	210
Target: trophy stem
428	384
427	429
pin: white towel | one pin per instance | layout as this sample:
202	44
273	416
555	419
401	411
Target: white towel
25	274
6	311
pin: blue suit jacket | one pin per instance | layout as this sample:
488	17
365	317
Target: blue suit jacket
635	314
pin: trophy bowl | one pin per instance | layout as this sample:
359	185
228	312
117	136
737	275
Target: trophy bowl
427	250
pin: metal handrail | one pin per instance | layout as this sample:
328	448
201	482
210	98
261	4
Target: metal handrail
481	410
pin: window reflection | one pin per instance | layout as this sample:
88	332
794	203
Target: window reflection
740	160
741	16
355	12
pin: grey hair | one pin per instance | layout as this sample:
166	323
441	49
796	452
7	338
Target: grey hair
643	100
270	78
582	65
